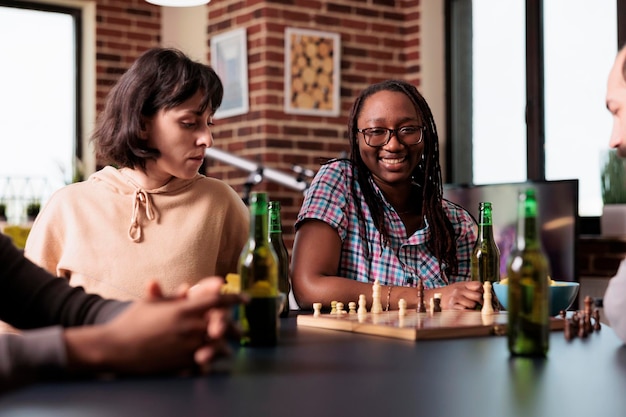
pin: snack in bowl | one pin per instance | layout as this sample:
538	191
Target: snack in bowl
562	294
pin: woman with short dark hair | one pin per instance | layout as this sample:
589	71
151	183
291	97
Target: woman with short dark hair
150	213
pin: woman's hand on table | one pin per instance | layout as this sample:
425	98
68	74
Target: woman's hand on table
159	333
460	295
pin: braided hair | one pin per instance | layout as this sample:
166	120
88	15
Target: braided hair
426	176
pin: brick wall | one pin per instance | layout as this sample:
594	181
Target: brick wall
599	256
124	29
379	39
598	259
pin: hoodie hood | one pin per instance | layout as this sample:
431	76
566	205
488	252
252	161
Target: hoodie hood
142	208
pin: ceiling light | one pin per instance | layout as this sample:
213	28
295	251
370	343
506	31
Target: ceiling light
178	3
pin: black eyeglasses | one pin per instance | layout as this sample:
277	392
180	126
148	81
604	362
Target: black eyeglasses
377	137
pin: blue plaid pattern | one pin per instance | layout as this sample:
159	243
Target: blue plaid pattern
404	260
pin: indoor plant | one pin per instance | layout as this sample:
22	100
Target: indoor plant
613	219
32	210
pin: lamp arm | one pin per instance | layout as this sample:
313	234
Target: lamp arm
269	173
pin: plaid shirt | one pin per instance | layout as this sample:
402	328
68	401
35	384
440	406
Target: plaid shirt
404	260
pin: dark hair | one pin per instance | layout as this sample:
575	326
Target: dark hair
426	176
161	78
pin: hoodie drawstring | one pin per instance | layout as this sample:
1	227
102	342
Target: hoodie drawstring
141	196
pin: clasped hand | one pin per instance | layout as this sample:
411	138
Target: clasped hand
159	333
461	295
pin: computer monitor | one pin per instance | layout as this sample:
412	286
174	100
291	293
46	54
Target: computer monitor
558	215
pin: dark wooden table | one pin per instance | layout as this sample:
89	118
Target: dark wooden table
323	373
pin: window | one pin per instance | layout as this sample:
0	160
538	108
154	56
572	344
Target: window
576	66
499	92
39	115
527	81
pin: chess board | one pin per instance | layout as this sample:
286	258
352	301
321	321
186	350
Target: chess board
418	326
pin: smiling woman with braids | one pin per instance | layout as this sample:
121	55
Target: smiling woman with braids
380	214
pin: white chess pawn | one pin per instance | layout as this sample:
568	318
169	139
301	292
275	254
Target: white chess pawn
402	307
339	308
487	306
317	309
362	305
377	306
333	307
352	307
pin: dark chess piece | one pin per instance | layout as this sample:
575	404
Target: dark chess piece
588	324
567	330
421	306
574	320
596	316
582	328
588	303
437	303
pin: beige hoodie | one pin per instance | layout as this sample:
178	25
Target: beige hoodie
110	236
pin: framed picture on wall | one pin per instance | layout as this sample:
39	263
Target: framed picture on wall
312	72
229	58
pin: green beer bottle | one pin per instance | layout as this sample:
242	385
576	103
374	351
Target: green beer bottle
258	268
277	242
528	270
485	261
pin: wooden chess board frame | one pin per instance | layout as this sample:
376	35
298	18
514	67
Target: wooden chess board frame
415	326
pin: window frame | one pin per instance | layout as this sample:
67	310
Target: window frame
459	159
77	18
